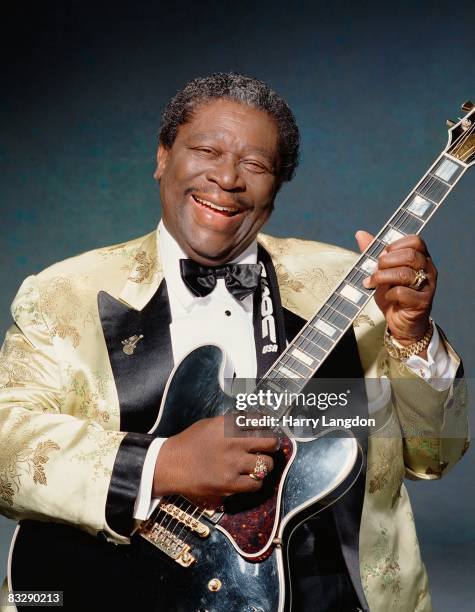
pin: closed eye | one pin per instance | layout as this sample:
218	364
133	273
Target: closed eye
255	166
204	150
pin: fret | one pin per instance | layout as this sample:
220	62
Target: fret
285	378
287	371
390	234
448	170
351	293
342	305
329	330
417	205
317	339
369	265
433	189
376	249
406	222
320	339
333	317
271	385
356	278
310	348
295	365
303	357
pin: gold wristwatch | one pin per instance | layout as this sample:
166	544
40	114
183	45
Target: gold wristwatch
401	352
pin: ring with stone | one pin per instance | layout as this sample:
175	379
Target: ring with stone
419	280
260	470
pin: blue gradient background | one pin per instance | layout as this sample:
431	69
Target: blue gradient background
371	85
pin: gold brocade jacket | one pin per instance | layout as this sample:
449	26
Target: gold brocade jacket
60	415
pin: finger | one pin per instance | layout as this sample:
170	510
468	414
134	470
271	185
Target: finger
407	257
210	502
246	484
257	445
412	241
363	239
431	270
249	463
409	298
394	276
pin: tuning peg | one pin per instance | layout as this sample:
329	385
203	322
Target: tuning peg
450	123
467	106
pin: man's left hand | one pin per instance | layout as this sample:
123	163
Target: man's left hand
406	310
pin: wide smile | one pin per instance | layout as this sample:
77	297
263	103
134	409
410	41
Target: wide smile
226	211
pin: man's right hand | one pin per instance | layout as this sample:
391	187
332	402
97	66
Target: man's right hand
205	466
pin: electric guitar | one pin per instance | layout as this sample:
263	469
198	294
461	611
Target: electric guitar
189	559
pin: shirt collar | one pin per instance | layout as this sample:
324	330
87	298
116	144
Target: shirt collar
171	253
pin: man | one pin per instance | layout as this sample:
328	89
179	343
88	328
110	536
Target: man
96	337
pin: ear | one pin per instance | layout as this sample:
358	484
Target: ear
162	158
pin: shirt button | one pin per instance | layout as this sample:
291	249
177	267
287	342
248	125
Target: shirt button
227	313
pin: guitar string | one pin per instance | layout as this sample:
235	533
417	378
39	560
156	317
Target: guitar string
178	502
166	515
333	303
183	525
193	518
179	524
465	135
399	219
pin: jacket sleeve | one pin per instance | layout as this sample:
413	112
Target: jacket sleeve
56	466
434	424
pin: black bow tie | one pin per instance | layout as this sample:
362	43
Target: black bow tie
240	279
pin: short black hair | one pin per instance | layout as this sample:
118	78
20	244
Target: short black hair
245	90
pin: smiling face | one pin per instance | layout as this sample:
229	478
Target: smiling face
219	179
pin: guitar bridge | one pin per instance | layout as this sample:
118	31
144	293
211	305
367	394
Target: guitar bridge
167	542
186	519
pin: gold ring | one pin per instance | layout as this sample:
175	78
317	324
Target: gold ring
419	280
260	470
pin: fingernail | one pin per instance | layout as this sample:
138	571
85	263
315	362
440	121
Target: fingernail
367	282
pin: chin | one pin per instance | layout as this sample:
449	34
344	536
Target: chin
212	256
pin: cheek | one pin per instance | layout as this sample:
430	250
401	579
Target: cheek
183	168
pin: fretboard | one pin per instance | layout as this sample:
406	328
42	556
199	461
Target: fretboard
314	343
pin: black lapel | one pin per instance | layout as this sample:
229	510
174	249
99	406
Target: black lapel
140	377
344	362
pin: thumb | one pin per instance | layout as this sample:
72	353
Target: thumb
363	239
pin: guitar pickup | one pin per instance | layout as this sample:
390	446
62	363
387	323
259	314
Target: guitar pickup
167	542
186	519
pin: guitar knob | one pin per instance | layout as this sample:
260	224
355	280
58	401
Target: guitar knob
450	123
467	106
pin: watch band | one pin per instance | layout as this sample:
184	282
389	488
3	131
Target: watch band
402	353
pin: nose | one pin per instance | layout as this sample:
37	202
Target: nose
225	172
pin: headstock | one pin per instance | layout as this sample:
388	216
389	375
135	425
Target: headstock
461	143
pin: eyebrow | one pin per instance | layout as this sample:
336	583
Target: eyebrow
206	136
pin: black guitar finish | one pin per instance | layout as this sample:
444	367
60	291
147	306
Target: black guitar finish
58	557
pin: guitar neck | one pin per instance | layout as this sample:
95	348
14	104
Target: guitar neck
315	342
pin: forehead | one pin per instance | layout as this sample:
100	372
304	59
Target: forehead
233	123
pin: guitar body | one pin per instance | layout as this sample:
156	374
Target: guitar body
242	565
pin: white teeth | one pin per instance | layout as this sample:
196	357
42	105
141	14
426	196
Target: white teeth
215	206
